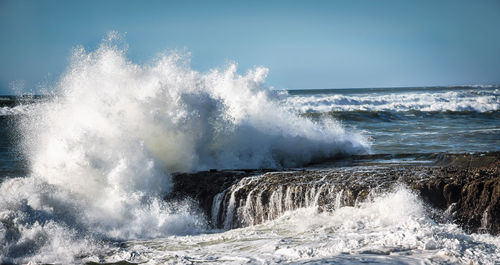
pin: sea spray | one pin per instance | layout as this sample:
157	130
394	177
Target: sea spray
102	147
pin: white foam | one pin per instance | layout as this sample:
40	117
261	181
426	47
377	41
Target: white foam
393	228
20	109
101	149
479	100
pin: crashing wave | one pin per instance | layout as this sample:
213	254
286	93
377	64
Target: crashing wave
102	147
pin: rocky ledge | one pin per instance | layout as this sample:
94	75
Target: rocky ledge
463	187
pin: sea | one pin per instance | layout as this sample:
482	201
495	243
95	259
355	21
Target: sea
85	168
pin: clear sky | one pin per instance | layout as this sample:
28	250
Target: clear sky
305	44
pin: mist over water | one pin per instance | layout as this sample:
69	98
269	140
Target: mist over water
102	147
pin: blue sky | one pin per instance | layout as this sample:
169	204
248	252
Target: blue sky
305	44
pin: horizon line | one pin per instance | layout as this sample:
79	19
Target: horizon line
401	87
317	89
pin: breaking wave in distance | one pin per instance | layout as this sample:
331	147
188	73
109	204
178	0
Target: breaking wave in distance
473	99
102	148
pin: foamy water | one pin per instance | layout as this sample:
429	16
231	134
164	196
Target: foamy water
101	149
475	99
392	228
7	111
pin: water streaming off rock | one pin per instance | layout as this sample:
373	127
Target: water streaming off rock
252	201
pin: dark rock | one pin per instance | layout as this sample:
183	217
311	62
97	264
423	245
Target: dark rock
204	185
467	185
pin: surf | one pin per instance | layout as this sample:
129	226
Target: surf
102	145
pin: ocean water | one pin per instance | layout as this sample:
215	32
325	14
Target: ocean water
85	169
410	120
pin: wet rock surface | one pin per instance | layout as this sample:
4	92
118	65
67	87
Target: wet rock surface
466	187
